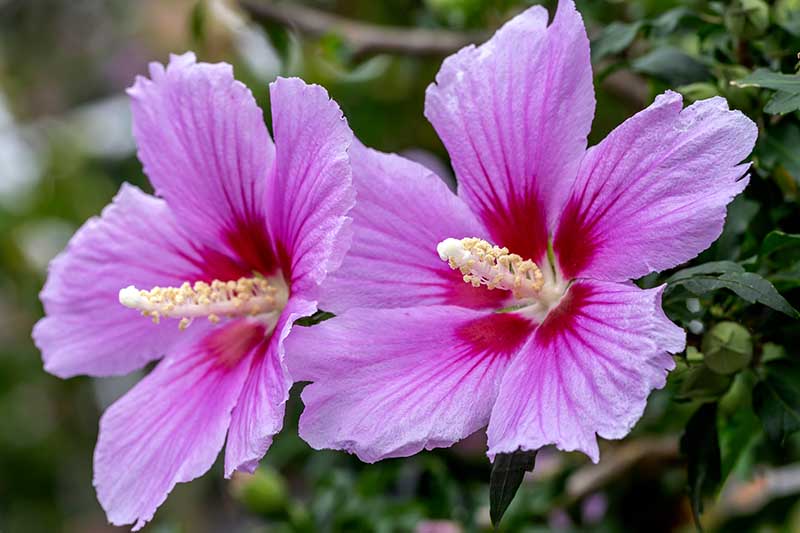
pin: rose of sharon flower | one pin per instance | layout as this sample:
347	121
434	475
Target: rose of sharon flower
221	263
526	318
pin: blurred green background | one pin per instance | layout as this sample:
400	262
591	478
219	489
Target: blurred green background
65	148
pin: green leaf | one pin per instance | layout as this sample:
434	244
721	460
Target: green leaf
737	435
698	91
779	148
615	38
673	65
701	383
776	399
783	102
740	214
700	445
667	22
747	285
777	152
788	278
508	471
197	23
738	427
316	318
728	348
712	267
787	15
747	19
766	79
777	240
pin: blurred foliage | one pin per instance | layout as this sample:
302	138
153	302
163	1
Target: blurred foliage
734	397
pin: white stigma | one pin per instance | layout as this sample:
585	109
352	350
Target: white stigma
130	297
452	249
492	266
252	297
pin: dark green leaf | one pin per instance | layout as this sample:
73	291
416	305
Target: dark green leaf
777	152
673	65
776	399
712	267
700	445
737	434
316	318
615	38
738	427
667	22
740	214
767	79
508	471
777	240
279	37
747	285
197	23
779	148
783	102
787	15
788	278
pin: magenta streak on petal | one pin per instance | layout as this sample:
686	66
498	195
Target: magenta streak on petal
485	339
579	237
653	193
524	236
513	114
456	292
496	334
170	427
391	382
229	344
204	145
587	370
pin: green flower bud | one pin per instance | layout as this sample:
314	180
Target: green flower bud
263	493
747	19
728	348
698	91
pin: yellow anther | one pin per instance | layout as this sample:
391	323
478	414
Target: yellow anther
244	297
484	264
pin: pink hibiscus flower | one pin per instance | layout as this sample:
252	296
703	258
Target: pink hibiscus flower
565	347
226	258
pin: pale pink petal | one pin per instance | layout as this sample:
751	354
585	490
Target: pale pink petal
258	415
587	370
403	212
171	426
654	193
136	241
514	114
391	382
205	147
309	192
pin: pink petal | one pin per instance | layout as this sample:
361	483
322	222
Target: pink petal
653	194
204	145
587	370
258	415
514	114
403	212
86	330
390	382
309	192
171	426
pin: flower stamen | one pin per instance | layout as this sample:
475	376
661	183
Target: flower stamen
244	297
484	264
